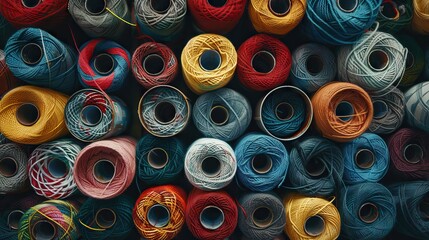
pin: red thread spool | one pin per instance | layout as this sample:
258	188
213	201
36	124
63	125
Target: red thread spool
154	64
46	14
7	80
211	215
264	63
217	16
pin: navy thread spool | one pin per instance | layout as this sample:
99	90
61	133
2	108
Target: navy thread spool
262	162
159	160
38	58
223	114
316	164
417	106
389	112
368	211
313	65
412	204
366	158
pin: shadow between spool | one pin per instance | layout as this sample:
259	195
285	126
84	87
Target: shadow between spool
31	53
8	167
263	62
27	114
424	206
314	225
103	171
30	3
210	60
262	163
364	159
165	112
219	115
13	219
262	217
158	216
57	168
380	109
212	217
104	63
314	64
344	111
153	64
378	60
95	7
389	10
279	8
211	166
368	212
43	229
91	115
413	153
157	158
347	6
105	218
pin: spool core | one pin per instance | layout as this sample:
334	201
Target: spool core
280	7
8	167
95	7
210	60
409	62
219	115
31	3
378	60
344	111
424	205
217	3
153	64
91	115
284	111
364	159
262	163
160	6
263	62
158	216
389	10
103	171
165	112
27	114
31	53
262	217
413	153
13	219
57	168
105	218
104	63
347	5
314	64
157	158
314	225
212	217
316	167
380	109
211	166
368	212
44	230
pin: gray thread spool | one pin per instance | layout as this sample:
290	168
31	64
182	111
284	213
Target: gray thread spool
262	217
27	114
368	212
57	168
160	6
104	63
31	53
212	217
344	111
153	64
104	171
105	218
263	62
413	153
44	229
364	159
219	115
280	8
210	60
13	219
262	163
347	6
157	158
211	166
165	112
378	60
158	216
380	109
314	64
31	3
314	226
91	115
8	167
315	167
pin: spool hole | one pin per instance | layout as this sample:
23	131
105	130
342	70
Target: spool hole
409	63
104	63
13	219
105	218
211	166
153	64
219	115
30	3
378	60
314	64
27	114
368	212
263	62
344	111
103	171
57	168
380	109
279	7
284	111
44	230
210	60
212	217
165	112
157	158
364	159
158	216
424	205
262	163
95	7
160	6
262	217
314	226
389	10
8	167
413	153
31	53
217	3
91	115
347	5
316	167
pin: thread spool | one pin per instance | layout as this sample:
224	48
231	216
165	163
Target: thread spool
27	114
395	15
13	219
417	102
105	218
31	53
43	230
13	169
8	167
96	7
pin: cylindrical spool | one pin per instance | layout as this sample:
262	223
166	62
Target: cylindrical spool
104	171
104	63
212	217
315	167
160	6
8	167
262	217
210	60
105	218
13	219
262	163
165	112
91	115
314	64
27	114
31	53
347	6
219	115
211	166
413	153
380	109
368	212
263	62
95	7
157	158
424	205
57	168
344	111
314	225
153	64
389	10
284	111
279	8
30	3
378	60
158	216
44	230
364	158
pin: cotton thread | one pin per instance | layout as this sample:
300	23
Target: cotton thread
415	62
7	80
262	162
50	168
154	64
32	115
417	106
208	62
13	169
389	112
342	111
91	115
254	209
171	200
394	15
420	17
105	169
313	65
223	114
210	164
264	62
103	65
276	17
355	202
38	58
